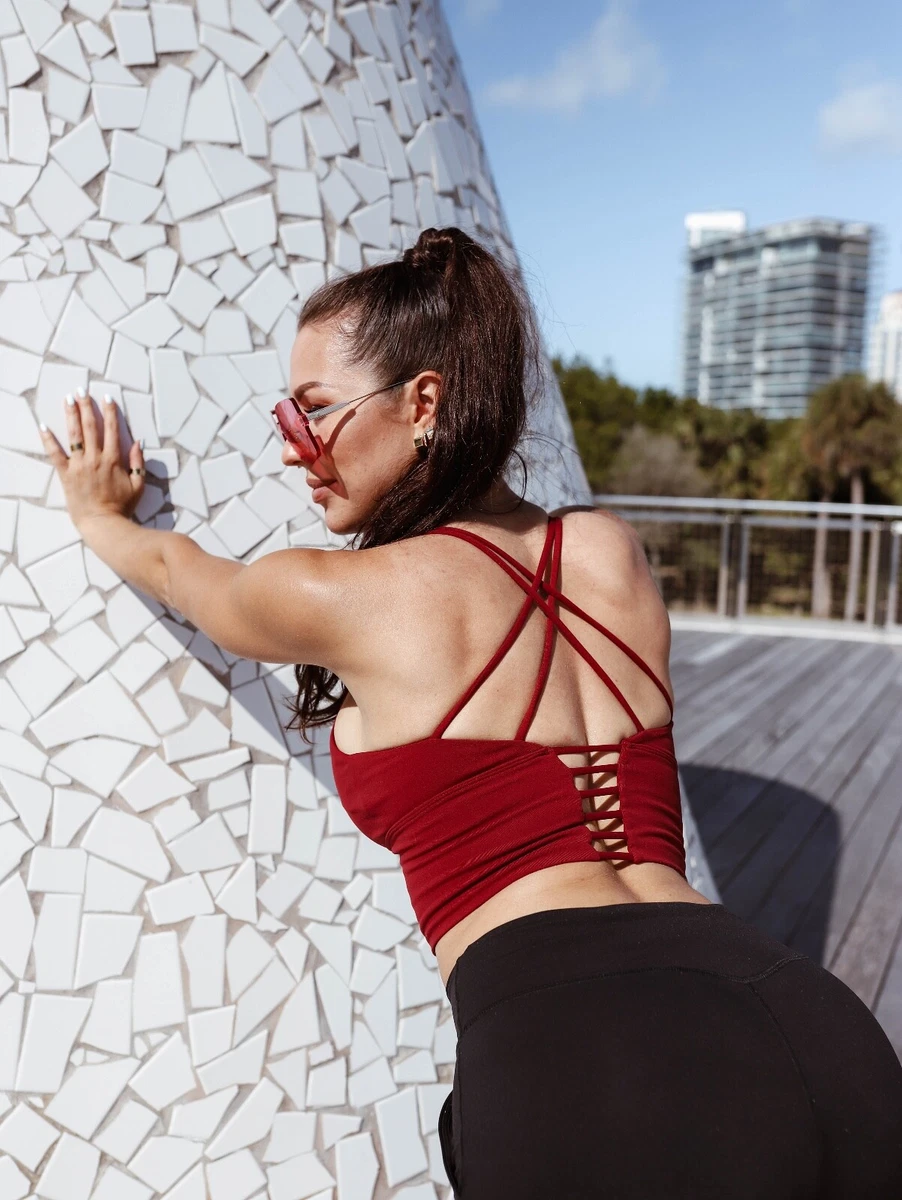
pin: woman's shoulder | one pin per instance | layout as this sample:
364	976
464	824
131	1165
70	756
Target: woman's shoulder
599	528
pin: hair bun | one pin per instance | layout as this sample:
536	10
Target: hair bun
433	251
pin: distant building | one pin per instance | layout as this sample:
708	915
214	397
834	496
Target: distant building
772	314
885	357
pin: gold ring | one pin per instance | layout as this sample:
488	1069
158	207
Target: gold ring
136	471
76	446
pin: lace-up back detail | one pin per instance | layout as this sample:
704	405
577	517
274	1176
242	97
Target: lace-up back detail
468	815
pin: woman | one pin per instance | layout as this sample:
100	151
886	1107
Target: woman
618	1034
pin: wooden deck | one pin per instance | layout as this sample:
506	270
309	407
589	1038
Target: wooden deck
791	753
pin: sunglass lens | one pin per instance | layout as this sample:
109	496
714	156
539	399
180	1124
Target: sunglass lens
295	431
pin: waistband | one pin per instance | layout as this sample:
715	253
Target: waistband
562	945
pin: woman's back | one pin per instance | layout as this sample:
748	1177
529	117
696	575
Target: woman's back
438	612
435	611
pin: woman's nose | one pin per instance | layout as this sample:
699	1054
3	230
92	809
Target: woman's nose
290	456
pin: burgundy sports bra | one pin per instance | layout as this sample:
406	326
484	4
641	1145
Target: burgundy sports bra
467	816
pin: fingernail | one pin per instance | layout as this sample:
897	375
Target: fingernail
80	393
42	427
70	399
107	398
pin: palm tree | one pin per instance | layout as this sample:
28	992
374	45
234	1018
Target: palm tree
852	427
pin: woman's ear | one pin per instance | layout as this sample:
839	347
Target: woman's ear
428	388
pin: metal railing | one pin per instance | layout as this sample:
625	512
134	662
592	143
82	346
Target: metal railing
770	557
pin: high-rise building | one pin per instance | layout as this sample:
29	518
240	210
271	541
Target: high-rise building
885	352
772	314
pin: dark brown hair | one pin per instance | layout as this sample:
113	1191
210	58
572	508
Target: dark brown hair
448	305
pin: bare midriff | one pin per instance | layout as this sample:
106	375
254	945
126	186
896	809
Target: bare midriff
569	885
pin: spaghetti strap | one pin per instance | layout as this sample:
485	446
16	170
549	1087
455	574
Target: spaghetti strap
534	585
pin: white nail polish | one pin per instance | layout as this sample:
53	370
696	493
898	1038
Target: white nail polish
70	400
42	427
107	398
80	393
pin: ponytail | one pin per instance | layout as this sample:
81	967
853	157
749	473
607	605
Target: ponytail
448	305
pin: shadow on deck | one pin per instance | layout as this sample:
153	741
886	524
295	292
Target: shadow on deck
791	756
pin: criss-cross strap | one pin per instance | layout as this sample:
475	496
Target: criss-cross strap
547	596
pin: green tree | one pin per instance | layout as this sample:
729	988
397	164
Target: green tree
601	409
655	464
851	430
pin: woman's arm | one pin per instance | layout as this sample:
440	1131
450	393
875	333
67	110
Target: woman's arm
280	608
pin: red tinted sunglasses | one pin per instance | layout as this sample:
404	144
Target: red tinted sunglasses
294	424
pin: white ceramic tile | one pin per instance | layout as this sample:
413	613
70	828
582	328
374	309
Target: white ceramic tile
29	134
136	158
55	943
13	1182
356	1166
114	1184
266	299
292	1134
285	86
66	97
162	120
166	1076
193	297
158	999
327	1085
299	1176
26	1136
298	193
402	1147
252	127
188	187
163	1160
19	60
174	28
251	223
238	53
17	923
128	842
51	1026
133	37
121	1137
117	106
243	1064
205	848
109	1023
203	949
88	1094
210	1035
210	117
106	945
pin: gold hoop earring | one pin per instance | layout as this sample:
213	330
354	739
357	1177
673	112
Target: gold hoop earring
424	440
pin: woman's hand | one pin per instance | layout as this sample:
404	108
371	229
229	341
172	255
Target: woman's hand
94	479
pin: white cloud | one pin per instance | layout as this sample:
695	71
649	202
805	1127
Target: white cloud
477	10
614	58
864	116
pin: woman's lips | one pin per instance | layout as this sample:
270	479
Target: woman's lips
321	488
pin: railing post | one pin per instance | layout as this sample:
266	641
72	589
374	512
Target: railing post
723	570
742	589
892	593
870	603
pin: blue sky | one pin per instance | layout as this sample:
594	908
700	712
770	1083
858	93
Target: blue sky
606	121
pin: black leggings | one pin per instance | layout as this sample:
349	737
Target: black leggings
663	1051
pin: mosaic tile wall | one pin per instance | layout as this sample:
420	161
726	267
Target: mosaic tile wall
211	984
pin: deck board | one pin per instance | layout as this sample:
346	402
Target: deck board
791	753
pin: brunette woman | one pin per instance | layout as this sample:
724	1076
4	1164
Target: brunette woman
498	680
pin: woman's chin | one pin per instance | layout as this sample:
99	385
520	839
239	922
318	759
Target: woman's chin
337	523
